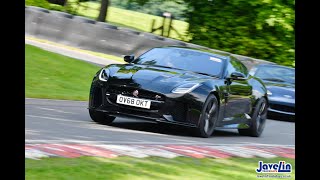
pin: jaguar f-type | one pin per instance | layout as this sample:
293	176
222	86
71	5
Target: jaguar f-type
198	88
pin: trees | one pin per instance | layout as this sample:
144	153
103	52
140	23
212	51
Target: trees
261	29
103	10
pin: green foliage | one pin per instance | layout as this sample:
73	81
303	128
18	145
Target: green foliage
50	6
39	3
261	29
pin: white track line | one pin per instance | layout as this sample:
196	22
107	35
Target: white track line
55	110
53	100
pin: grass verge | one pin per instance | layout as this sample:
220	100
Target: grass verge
53	76
106	56
147	168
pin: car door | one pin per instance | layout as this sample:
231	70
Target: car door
238	94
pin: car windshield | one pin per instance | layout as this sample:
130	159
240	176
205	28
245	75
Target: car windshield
185	59
276	74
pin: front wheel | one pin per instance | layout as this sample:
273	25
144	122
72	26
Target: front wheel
258	120
208	118
100	117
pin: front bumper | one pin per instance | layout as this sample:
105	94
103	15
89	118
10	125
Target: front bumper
278	108
165	109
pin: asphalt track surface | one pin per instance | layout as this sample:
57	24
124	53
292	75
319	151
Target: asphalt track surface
61	121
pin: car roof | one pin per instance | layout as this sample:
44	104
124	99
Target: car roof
221	54
274	65
251	62
247	61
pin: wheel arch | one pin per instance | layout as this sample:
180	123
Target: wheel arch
221	108
257	100
215	93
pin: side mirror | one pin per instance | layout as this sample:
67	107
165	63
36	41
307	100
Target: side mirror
237	76
128	58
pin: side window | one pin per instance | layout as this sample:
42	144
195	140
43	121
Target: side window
237	66
230	69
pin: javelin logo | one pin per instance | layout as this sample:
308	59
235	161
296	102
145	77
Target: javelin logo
281	167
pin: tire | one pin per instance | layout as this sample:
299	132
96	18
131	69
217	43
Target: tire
208	118
258	120
101	117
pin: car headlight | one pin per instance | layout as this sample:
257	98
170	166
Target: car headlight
185	88
104	75
269	92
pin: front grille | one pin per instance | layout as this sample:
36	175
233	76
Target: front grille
138	112
127	91
282	108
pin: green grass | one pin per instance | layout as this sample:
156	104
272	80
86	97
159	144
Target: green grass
128	168
53	76
143	21
106	56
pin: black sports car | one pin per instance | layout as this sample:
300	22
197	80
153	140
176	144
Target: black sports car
280	83
198	88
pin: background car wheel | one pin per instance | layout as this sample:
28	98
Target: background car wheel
208	117
100	117
258	120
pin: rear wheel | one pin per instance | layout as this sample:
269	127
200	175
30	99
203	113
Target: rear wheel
208	118
258	118
101	117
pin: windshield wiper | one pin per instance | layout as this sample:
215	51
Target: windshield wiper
206	74
273	79
162	66
180	69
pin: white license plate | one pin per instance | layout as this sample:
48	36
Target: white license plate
131	101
